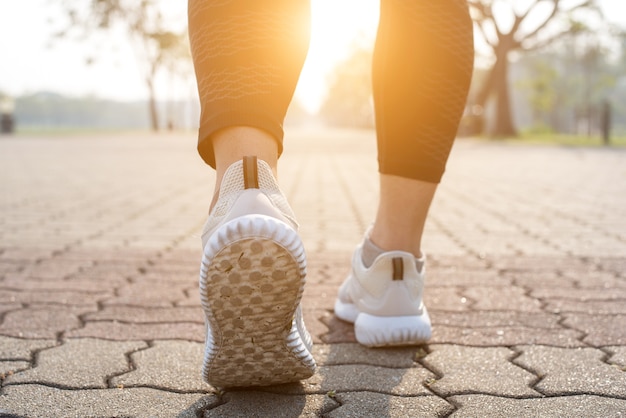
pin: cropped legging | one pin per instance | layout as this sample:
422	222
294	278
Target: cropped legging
248	55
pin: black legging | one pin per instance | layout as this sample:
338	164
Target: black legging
248	55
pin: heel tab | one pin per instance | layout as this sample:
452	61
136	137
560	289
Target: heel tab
250	172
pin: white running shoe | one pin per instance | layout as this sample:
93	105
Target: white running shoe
384	301
251	282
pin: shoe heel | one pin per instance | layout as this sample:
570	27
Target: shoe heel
383	331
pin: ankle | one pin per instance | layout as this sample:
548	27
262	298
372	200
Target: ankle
232	144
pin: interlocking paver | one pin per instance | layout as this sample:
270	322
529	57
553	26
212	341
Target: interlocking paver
477	370
114	330
138	314
92	362
509	298
39	401
506	336
260	404
342	353
594	307
496	319
63	297
618	356
446	299
581	295
174	365
599	329
372	404
21	349
565	371
41	322
569	406
77	283
347	378
8	368
147	294
520	257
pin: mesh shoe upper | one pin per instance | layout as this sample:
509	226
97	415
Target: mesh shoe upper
381	289
235	200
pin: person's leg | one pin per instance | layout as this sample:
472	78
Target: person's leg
422	68
248	55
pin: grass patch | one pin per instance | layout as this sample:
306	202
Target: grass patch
569	140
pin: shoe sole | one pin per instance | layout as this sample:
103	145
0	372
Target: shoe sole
251	282
389	331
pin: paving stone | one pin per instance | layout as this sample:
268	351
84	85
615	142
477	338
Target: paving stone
455	263
337	331
136	314
594	307
598	279
174	275
30	254
534	279
113	330
348	378
505	336
567	406
495	319
459	367
581	295
371	404
11	306
502	298
9	367
246	404
55	269
616	265
600	329
8	267
62	297
92	362
454	276
37	401
145	247
40	322
20	349
572	371
147	294
618	356
345	353
314	324
71	284
174	365
445	299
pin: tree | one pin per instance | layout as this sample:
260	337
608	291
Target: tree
158	48
522	35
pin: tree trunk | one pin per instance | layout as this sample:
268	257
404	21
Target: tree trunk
152	106
504	117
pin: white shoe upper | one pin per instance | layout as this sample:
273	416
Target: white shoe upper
392	286
235	200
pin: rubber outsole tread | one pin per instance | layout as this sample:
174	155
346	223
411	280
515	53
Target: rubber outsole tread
251	283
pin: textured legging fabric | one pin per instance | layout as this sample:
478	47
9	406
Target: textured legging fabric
248	55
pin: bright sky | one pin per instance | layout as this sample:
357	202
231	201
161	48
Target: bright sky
28	64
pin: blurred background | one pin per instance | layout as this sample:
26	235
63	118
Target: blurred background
545	69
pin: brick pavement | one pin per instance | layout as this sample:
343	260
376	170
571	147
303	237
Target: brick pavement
99	251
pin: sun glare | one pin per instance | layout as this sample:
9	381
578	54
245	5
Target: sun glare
336	27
